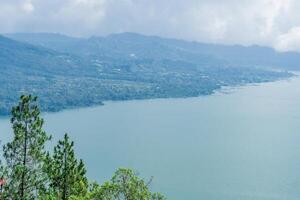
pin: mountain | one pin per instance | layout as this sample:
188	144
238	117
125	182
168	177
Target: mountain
25	68
127	46
53	41
27	58
118	49
67	72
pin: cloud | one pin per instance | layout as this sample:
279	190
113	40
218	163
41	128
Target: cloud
27	6
77	17
264	22
273	9
289	41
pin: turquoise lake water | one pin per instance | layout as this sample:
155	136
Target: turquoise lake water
239	144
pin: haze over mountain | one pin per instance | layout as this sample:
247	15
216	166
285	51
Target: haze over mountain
27	58
153	47
273	23
69	72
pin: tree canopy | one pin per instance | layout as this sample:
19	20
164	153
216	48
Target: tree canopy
30	172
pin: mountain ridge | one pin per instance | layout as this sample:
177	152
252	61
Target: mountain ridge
72	72
253	55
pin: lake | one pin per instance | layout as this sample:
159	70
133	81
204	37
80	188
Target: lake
241	143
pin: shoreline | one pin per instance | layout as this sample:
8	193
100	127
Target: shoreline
222	90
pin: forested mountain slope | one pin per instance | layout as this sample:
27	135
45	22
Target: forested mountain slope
69	72
128	45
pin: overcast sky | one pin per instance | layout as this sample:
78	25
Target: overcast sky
266	22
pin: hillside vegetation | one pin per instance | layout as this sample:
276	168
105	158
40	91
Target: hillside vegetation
71	72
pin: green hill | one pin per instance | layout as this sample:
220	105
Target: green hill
68	72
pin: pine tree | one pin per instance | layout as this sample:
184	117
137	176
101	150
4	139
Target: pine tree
66	173
24	156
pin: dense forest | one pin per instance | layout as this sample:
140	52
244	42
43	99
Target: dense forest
29	172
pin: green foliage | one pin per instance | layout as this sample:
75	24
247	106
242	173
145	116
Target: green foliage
66	173
122	67
126	185
24	156
31	173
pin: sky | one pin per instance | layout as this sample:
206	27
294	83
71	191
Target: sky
274	23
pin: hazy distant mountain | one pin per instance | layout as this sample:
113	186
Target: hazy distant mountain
128	46
57	42
25	68
69	72
119	49
27	59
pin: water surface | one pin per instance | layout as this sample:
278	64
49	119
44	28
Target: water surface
239	144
